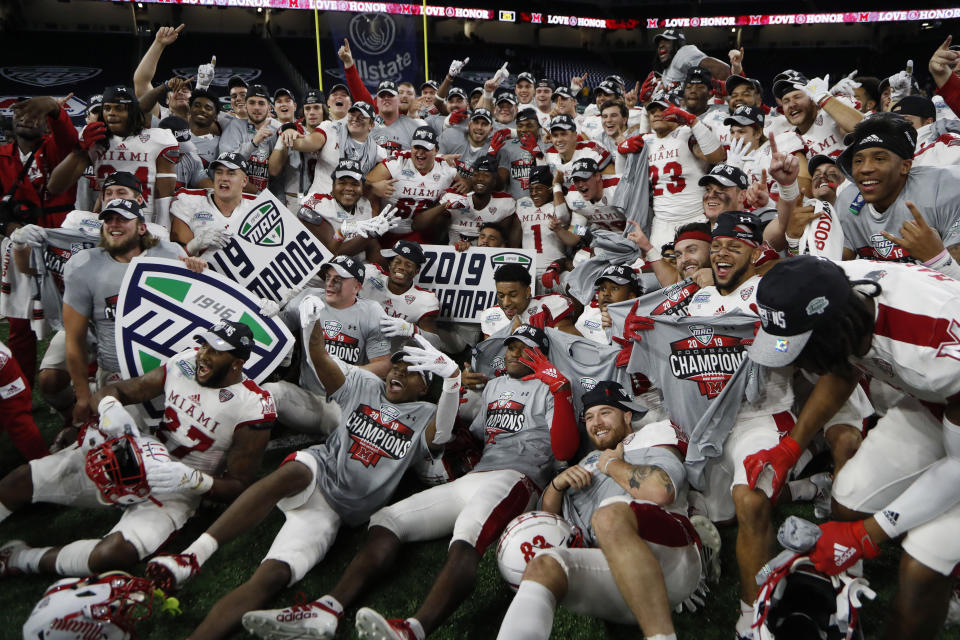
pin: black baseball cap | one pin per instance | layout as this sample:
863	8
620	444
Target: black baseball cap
406	249
699	75
562	92
230	160
129	209
283	92
482	114
734	81
505	96
178	126
563	121
609	88
349	168
95	102
388	86
739	225
227	335
541	174
546	82
618	274
785	84
610	393
531	336
124	179
486	163
425	137
915	105
258	91
338	87
528	114
526	75
745	115
119	94
818	160
669	34
346	266
615	79
363	107
313	96
726	175
236	81
662	99
584	168
456	91
399	355
793	298
475	91
430	83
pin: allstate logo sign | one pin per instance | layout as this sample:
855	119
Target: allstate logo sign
372	33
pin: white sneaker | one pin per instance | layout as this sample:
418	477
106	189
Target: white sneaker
310	620
373	626
821	501
7	551
169	572
709	547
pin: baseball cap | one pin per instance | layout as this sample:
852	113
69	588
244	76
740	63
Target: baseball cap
230	160
541	174
608	88
745	115
475	91
283	92
345	266
365	108
616	80
669	34
313	96
699	75
726	175
818	160
528	114
338	87
662	99
95	102
349	168
398	357
618	274
430	83
486	163
124	179
388	86
456	91
609	393
129	209
584	168
784	85
526	75
793	298
505	96
531	336
236	81
426	137
257	91
546	82
481	113
562	92
734	81
178	126
119	94
563	121
739	225
406	249
227	335
914	105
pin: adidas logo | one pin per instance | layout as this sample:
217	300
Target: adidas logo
551	372
842	553
872	138
891	516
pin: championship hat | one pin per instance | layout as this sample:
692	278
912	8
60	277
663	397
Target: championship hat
365	109
541	174
739	225
745	115
129	209
610	393
531	336
258	91
563	121
619	274
425	137
562	92
345	266
528	114
486	163
349	168
406	249
119	94
124	179
584	168
227	335
726	175
313	96
230	160
389	87
283	92
481	114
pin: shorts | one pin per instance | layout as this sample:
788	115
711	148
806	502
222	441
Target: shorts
936	543
722	474
60	478
55	357
906	441
475	508
302	410
311	526
664	231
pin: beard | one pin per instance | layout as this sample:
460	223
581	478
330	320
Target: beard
124	247
736	277
217	376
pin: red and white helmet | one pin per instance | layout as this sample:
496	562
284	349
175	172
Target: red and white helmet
528	533
116	468
798	602
104	606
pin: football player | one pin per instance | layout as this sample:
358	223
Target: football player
567	148
515	305
336	218
674	58
819	117
520	154
409	308
349	138
473	144
481	204
934	148
253	138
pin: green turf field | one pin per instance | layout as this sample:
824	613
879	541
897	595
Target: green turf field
398	596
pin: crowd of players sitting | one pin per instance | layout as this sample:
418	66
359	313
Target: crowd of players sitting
830	222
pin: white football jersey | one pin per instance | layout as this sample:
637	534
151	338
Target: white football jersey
413	191
199	422
466	219
411	305
537	235
713	118
320	207
558	306
137	154
776	123
196	209
674	173
583	150
787	142
590	126
599	214
590	324
824	137
936	152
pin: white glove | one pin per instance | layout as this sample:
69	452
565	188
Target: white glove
205	74
387	220
454	201
115	420
901	83
845	86
165	475
501	74
310	309
269	308
739	152
817	88
456	67
396	327
429	358
30	234
207	237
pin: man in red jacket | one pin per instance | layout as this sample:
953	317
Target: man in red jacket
42	128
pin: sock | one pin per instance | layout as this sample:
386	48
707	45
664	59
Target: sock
802	490
417	628
744	626
203	547
663	636
28	560
530	615
73	559
331	603
4	512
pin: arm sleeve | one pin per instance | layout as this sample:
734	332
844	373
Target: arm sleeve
358	90
64	137
950	92
564	436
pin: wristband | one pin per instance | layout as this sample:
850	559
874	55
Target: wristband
934	262
789	192
488	95
607	464
555	487
579	230
286	126
706	138
793	245
557	188
204	484
824	100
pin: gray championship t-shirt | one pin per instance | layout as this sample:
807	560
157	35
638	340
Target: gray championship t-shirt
50	262
91	286
363	460
517	160
397	136
238	138
454	141
686	58
208	147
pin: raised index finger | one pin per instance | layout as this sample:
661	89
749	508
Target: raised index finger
773	143
921	221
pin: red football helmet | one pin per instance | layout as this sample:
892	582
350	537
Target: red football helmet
116	467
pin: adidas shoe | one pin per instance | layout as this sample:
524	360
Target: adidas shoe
373	626
308	620
170	571
709	547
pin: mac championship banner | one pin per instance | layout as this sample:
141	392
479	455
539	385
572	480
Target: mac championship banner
463	280
384	47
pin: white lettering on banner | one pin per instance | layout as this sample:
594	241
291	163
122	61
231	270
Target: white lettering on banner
463	280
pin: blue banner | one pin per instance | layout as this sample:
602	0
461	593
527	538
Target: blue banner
384	47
